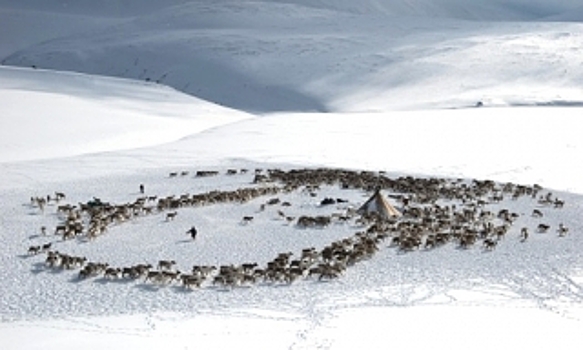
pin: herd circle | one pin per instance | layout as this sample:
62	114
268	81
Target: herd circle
434	212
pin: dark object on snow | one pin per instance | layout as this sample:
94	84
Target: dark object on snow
192	232
96	202
142	189
327	201
480	104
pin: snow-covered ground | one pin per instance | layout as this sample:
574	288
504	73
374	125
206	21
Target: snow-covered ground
396	79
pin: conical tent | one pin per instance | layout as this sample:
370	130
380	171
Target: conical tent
377	203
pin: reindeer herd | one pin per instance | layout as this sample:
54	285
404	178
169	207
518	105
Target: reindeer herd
435	212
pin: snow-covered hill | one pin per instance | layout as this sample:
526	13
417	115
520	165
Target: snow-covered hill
51	114
266	56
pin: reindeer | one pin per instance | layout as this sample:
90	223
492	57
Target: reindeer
543	228
92	269
490	244
203	271
166	265
34	250
248	267
190	281
523	234
157	277
60	229
171	275
41	202
112	273
46	247
331	271
273	201
563	230
171	215
136	271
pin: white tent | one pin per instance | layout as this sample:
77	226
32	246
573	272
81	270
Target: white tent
377	203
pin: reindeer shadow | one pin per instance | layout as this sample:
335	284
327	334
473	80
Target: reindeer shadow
53	270
219	288
148	287
38	268
280	285
182	290
26	256
76	279
104	281
462	248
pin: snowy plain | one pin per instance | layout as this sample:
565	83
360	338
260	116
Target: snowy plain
384	85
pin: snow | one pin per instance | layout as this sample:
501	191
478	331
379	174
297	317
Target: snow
384	86
62	115
281	56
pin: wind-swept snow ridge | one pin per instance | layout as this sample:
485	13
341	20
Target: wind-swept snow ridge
53	115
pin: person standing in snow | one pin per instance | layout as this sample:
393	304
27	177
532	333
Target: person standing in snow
192	232
142	188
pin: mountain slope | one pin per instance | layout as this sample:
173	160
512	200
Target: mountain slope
268	56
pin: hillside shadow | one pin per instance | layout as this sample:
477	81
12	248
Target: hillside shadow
229	87
551	103
214	80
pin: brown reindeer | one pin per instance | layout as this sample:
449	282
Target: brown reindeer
490	244
166	265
